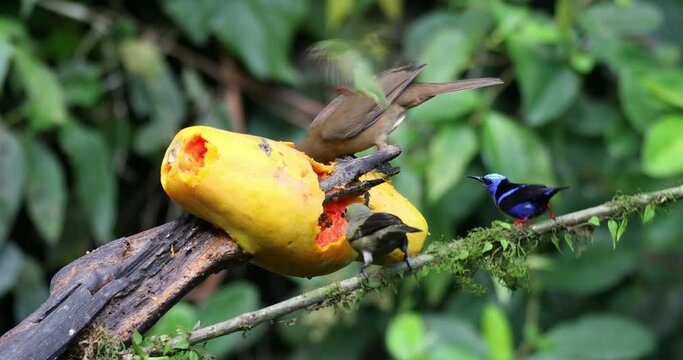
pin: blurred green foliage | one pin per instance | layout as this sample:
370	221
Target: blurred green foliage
92	92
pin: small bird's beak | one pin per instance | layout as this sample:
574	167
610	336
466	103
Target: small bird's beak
478	178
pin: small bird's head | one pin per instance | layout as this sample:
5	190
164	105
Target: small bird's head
355	212
491	181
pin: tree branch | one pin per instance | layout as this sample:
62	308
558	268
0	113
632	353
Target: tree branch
327	295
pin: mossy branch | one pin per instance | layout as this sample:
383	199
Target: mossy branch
462	255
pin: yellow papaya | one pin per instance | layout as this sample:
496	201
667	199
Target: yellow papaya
267	196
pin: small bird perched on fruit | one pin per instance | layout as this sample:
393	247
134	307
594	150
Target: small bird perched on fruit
375	234
353	122
522	201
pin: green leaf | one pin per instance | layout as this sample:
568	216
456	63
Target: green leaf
487	247
515	151
622	228
182	316
137	338
46	192
463	254
504	244
641	106
608	19
12	180
33	290
446	54
155	93
594	220
445	170
6	53
449	352
502	224
548	87
336	11
448	334
392	9
27	7
648	214
613	228
192	17
597	269
568	241
474	23
423	28
667	85
405	337
600	336
230	301
555	98
663	147
497	333
11	264
182	344
81	83
260	33
556	242
193	356
46	104
93	176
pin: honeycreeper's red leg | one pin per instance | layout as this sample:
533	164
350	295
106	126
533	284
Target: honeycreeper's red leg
550	210
520	221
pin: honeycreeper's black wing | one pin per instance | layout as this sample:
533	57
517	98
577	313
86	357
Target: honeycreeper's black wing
376	222
519	193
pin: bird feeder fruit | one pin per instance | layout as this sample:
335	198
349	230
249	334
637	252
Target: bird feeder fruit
266	195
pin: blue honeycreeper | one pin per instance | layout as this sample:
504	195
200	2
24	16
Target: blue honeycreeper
521	201
375	234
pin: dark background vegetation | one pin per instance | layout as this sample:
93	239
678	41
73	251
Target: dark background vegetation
92	92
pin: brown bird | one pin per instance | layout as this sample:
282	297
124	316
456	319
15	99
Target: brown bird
352	122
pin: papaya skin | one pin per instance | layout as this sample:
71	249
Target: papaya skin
267	196
263	193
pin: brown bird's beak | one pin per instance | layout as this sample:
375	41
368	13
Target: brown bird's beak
468	84
478	178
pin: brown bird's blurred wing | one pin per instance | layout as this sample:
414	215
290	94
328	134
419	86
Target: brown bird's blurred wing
359	112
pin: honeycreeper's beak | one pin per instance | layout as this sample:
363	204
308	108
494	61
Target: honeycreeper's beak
478	178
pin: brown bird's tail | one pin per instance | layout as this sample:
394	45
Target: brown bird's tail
417	93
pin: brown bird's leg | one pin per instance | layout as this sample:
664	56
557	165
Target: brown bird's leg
550	210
